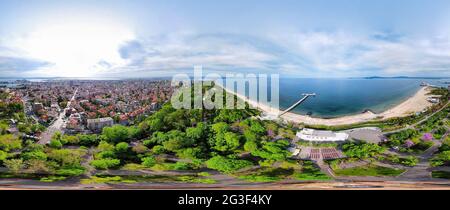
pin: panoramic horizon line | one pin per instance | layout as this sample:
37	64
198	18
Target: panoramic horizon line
150	77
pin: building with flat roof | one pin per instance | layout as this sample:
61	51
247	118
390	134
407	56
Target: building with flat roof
99	123
321	136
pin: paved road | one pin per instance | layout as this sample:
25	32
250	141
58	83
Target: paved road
57	124
422	171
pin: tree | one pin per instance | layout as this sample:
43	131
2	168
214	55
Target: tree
156	124
67	157
177	140
250	146
33	147
37	166
226	165
57	136
427	137
15	107
226	142
398	139
34	155
157	138
3	155
257	128
231	115
409	161
37	128
148	161
362	150
190	153
87	140
158	149
220	127
197	133
232	141
273	151
10	142
271	128
105	146
139	148
105	155
440	159
55	144
250	136
116	133
67	139
122	147
104	164
14	165
3	128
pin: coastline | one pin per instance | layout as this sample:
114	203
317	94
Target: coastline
416	103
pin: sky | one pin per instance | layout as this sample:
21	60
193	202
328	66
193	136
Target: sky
295	38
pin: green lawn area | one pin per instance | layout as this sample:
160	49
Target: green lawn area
266	174
306	172
311	176
310	172
39	177
133	167
369	170
440	174
111	179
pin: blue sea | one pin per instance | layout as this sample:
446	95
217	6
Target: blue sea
340	97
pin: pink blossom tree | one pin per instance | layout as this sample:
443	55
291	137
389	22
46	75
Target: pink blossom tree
427	137
408	143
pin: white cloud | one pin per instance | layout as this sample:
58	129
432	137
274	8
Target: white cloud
185	51
308	54
341	53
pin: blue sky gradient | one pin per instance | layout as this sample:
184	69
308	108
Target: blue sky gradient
302	38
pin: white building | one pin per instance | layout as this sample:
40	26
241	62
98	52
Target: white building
321	136
433	100
99	123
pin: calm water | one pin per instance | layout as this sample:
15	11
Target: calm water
339	97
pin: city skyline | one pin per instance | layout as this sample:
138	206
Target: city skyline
158	39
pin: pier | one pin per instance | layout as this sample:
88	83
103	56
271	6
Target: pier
305	96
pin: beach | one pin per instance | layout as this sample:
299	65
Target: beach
416	103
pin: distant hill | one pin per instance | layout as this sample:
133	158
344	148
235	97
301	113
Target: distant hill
399	77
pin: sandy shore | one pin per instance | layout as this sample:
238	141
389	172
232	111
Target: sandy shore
415	103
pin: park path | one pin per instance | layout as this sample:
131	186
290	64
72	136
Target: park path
325	168
86	162
422	170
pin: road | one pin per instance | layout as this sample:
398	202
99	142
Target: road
57	124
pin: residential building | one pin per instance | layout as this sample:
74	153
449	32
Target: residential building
99	123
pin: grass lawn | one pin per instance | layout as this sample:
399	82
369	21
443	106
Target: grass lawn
306	172
369	170
311	176
39	177
133	167
440	174
111	179
310	172
266	174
